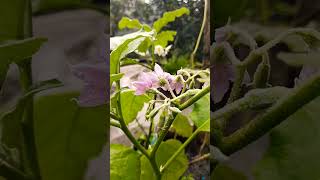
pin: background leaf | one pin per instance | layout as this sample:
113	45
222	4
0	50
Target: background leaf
124	163
293	152
201	111
182	126
126	22
169	17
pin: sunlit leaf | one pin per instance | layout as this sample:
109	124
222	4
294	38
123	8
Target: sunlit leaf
169	17
182	126
131	104
124	163
201	111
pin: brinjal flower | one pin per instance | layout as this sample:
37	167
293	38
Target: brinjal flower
221	34
160	51
95	89
146	82
156	79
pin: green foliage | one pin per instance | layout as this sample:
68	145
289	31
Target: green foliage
121	51
182	126
293	151
61	130
201	111
223	172
124	163
131	104
115	77
126	22
17	52
175	63
11	133
169	17
166	150
164	37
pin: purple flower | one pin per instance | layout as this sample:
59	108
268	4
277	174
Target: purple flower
95	89
156	79
146	82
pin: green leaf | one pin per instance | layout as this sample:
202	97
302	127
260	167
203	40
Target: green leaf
201	111
164	37
124	163
129	61
11	133
12	20
17	51
205	126
175	170
126	22
125	45
300	59
67	136
115	77
182	126
293	152
131	104
169	17
223	172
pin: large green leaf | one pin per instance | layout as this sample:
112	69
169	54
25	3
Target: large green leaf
11	120
164	37
67	136
182	126
126	22
127	47
201	111
12	19
174	171
169	17
124	163
293	153
17	51
131	104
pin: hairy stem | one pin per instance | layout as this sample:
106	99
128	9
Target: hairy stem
273	117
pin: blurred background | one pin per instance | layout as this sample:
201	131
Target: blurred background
281	154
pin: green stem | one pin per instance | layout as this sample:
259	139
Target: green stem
273	117
195	98
206	4
163	134
125	128
182	147
29	152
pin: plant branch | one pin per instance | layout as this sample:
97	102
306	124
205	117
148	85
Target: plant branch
259	126
195	98
115	123
206	4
